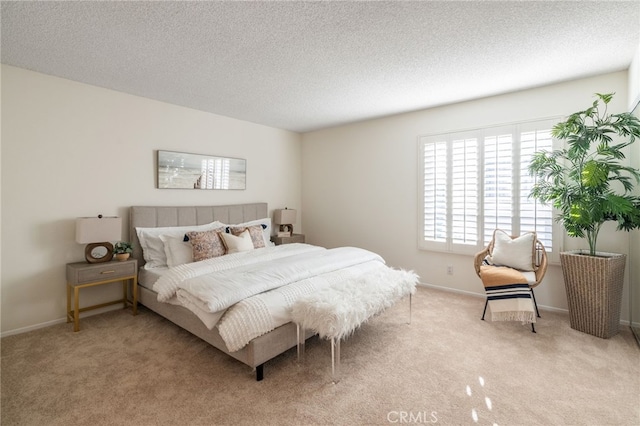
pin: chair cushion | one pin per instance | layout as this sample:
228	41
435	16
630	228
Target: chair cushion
516	253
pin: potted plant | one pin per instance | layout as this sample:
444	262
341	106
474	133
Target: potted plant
587	182
122	250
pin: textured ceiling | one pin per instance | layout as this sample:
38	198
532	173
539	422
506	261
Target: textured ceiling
308	65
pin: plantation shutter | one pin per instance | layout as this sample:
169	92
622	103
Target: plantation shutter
435	191
464	191
498	184
477	181
533	215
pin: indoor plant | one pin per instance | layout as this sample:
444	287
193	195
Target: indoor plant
587	182
122	250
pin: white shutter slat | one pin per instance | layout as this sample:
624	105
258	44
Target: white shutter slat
498	178
482	175
534	216
464	197
435	190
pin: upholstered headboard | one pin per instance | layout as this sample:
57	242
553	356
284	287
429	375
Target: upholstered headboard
161	216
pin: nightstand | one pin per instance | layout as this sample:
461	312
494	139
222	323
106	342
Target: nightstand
83	274
295	238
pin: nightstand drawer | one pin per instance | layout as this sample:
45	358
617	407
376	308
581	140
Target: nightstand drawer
93	273
81	275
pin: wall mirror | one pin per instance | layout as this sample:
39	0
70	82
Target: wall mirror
197	171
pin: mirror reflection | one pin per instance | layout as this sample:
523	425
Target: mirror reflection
197	171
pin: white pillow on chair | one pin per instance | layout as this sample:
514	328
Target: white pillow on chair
516	253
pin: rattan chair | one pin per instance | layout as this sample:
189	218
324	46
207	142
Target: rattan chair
541	263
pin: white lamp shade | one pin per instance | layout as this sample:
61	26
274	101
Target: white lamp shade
284	216
96	230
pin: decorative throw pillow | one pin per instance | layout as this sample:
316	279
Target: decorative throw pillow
265	223
255	231
206	244
235	244
178	250
516	253
153	249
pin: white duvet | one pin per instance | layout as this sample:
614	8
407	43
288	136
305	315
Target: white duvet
250	293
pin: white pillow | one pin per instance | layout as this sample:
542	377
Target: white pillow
153	247
516	253
177	250
266	232
237	243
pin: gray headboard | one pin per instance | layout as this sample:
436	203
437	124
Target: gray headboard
161	216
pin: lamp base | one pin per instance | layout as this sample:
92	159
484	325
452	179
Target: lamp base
98	252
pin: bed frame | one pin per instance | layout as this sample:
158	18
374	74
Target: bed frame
260	349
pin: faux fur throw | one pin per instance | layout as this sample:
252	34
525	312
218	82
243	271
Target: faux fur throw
508	294
338	310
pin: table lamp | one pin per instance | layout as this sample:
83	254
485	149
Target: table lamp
285	218
96	232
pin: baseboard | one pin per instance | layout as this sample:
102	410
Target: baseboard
32	327
453	290
625	323
58	321
482	296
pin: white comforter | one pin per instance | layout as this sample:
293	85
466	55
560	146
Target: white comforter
250	293
175	278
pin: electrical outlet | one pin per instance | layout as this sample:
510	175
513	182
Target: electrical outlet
449	270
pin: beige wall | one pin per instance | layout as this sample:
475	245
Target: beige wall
634	80
360	181
70	149
634	259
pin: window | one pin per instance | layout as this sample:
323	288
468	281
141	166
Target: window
476	181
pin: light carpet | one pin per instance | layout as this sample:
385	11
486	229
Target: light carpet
448	367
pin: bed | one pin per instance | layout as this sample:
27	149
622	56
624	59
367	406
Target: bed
253	327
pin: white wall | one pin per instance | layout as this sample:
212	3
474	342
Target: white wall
70	149
634	80
360	181
634	260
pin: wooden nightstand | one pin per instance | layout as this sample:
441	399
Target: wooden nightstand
83	274
295	238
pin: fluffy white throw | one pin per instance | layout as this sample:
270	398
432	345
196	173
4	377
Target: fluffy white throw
338	310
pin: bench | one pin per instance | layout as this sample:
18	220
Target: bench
336	311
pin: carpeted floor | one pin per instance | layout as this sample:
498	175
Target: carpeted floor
447	367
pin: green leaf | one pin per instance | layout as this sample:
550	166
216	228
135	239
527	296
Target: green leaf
594	174
606	98
587	182
618	205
